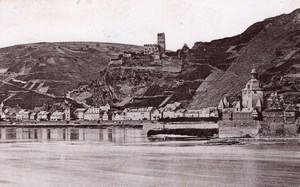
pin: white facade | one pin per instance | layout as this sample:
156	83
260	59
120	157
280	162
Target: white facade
22	115
105	107
57	116
79	113
92	114
43	116
105	116
139	113
156	115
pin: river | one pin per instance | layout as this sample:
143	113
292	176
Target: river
126	157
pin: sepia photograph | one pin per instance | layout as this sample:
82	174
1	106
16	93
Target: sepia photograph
150	93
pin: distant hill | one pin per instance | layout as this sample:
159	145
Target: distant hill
50	70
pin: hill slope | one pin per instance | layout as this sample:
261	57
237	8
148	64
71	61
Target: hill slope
50	70
274	51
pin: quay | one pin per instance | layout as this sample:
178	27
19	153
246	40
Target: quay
75	124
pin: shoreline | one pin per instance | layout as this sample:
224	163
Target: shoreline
75	124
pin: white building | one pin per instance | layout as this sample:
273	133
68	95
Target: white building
43	116
79	113
105	116
105	107
139	113
156	115
92	114
23	115
57	116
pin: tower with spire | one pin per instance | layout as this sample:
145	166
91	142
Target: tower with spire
253	94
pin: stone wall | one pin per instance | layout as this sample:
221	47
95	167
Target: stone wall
238	128
258	129
278	130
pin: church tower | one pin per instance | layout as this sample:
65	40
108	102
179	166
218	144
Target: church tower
161	42
252	94
67	112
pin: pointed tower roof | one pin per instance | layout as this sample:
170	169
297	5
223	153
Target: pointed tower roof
238	105
221	105
258	103
226	103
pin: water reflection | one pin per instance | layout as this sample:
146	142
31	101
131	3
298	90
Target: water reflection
118	135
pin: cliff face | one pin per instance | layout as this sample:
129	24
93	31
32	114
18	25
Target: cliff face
273	51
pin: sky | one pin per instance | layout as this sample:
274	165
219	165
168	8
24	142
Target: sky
132	21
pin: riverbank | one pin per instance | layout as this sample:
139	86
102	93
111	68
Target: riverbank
75	124
270	140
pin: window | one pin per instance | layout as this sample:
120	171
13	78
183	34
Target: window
255	92
248	86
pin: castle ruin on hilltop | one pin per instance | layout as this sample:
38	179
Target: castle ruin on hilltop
156	50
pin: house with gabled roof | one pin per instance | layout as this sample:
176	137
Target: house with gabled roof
139	113
79	113
43	116
23	115
57	116
92	114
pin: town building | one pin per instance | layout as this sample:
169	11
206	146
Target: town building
105	116
11	112
118	116
139	113
156	114
105	107
33	116
57	116
291	113
179	113
79	113
192	113
43	116
23	115
92	114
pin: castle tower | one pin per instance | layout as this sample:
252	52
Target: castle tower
253	92
161	42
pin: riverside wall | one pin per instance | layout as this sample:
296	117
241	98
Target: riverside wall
257	129
238	128
181	125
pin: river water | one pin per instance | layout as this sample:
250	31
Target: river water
126	157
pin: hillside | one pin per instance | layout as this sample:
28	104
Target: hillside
51	70
273	51
34	74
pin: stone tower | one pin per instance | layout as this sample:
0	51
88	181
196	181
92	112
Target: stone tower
161	42
67	112
252	94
